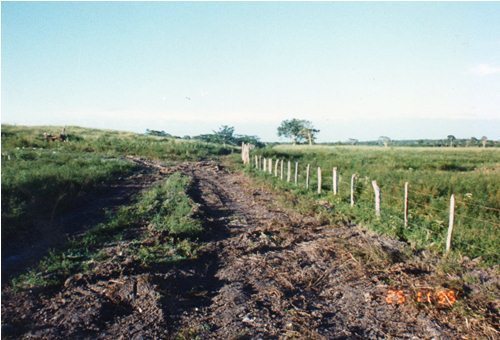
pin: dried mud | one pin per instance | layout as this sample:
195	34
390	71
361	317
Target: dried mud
263	272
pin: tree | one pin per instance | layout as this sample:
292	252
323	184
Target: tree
297	130
225	134
451	138
248	140
472	141
384	140
484	140
157	133
309	133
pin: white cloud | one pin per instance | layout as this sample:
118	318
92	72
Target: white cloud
485	70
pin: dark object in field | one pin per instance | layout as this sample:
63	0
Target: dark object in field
63	137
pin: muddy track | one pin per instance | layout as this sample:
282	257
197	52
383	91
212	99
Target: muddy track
285	275
90	209
263	272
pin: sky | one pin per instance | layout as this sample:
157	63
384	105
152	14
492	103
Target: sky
356	70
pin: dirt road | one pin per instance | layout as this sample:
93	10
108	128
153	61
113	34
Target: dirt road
90	209
263	272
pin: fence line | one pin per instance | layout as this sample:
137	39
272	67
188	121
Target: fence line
477	205
289	172
296	172
480	220
451	219
406	205
319	180
362	182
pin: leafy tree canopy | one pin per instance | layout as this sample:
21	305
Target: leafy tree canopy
225	135
298	130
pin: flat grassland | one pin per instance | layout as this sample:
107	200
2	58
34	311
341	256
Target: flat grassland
472	174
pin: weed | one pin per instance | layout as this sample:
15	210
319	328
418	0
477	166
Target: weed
433	174
172	242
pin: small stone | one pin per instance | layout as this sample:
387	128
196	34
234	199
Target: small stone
247	319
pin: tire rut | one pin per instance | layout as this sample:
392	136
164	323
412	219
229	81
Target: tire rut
262	272
286	275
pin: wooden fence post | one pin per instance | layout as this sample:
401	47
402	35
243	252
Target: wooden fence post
335	181
376	189
256	162
296	172
281	169
289	172
264	164
406	204
276	168
307	176
352	189
245	153
270	166
260	162
450	224
319	180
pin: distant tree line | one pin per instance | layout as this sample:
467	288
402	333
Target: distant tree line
225	135
444	142
300	131
157	133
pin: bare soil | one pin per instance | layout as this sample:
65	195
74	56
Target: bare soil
52	232
263	272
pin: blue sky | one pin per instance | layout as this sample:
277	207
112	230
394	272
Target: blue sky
360	70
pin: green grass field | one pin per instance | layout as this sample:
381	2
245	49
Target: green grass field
42	179
472	174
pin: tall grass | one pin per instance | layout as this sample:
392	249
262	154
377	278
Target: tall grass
42	179
38	183
472	174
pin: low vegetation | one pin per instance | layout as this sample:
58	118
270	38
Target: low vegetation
160	227
42	178
433	175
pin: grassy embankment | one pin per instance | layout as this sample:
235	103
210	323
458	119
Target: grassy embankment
160	227
42	179
472	174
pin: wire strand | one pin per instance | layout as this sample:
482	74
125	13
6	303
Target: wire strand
477	205
411	192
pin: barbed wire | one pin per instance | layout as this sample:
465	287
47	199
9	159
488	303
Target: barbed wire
411	192
477	205
360	205
478	219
